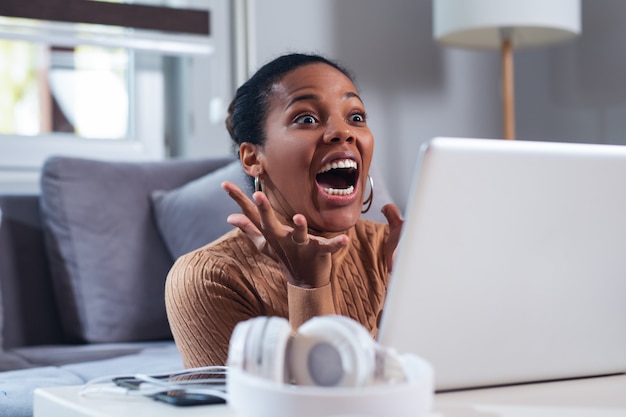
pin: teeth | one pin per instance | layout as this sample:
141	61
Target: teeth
343	163
335	191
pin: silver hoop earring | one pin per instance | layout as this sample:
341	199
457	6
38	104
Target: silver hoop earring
257	184
368	201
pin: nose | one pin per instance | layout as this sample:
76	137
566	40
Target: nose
339	131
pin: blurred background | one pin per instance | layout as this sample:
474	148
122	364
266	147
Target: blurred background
112	92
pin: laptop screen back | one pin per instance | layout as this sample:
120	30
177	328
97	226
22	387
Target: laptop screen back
512	263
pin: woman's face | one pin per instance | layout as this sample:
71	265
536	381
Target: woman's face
318	148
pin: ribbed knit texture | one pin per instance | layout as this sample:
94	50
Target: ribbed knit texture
210	290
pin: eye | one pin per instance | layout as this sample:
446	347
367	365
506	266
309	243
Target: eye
358	118
306	119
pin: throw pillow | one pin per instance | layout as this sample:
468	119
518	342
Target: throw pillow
108	261
195	214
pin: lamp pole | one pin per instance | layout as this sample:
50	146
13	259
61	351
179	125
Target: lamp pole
508	85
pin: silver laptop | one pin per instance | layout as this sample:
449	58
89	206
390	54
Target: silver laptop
511	267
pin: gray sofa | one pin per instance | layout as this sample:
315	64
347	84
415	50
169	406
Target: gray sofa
82	267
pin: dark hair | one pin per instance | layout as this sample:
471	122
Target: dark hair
248	110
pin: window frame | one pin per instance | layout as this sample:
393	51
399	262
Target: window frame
137	16
21	157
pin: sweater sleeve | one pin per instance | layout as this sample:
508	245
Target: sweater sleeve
204	303
306	303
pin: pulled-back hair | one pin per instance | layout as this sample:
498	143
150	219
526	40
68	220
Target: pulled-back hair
248	110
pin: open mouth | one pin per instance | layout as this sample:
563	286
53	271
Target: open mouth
338	177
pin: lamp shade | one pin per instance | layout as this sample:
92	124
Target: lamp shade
479	23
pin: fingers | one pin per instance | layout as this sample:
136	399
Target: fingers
300	232
300	236
264	208
244	223
393	216
258	210
250	222
260	224
269	224
392	213
247	207
336	243
258	215
258	220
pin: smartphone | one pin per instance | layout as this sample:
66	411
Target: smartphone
183	398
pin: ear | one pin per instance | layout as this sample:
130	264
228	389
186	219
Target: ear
251	159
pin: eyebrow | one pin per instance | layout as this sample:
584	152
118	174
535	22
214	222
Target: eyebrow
305	97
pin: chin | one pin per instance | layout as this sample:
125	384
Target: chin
338	220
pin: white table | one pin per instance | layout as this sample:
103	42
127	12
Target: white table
591	397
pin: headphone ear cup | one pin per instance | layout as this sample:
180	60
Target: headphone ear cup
237	345
276	338
331	351
416	369
258	346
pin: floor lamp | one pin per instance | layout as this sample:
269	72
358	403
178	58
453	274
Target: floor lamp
504	25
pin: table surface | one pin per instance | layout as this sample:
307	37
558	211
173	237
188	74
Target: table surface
589	397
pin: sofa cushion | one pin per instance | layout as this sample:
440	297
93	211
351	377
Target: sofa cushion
58	355
195	214
10	361
108	260
17	387
152	360
16	395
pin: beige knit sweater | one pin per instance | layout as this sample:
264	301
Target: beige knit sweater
211	289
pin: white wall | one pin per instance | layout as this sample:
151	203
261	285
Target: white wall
211	91
577	92
413	89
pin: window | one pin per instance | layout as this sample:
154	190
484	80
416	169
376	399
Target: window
92	79
82	90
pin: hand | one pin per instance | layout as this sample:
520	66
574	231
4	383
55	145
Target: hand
392	213
305	257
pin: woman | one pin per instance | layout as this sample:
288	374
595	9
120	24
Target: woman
299	248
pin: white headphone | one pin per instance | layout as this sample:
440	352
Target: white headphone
326	351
